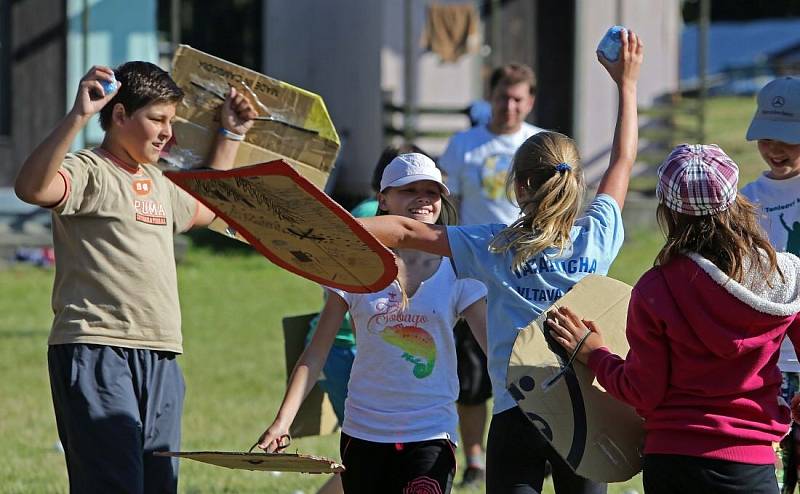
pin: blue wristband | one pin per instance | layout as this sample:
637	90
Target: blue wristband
227	134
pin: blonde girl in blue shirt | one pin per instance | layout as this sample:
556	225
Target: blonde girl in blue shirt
529	264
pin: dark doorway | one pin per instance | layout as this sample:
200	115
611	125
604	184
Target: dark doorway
555	64
229	30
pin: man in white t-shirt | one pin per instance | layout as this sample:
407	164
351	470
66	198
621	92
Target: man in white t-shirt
477	162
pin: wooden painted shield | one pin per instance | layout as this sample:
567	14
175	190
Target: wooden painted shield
268	462
293	224
598	436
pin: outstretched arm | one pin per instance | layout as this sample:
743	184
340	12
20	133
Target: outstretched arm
38	181
305	373
625	73
406	233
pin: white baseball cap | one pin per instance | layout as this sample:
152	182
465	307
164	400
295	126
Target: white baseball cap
411	167
778	114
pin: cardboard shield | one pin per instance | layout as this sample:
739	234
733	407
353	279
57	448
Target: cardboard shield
293	124
598	436
268	462
293	224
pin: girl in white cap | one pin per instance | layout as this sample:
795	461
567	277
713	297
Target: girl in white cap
529	264
705	327
400	415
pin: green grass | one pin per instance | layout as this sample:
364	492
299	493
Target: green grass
232	303
727	120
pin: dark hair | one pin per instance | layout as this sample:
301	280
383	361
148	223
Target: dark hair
726	239
512	73
387	155
142	83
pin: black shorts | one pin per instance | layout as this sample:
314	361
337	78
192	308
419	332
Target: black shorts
693	474
516	454
396	468
473	377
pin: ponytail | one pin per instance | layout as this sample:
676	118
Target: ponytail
546	174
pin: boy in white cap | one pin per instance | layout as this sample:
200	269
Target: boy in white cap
776	128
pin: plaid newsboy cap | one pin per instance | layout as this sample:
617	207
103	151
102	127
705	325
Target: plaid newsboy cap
697	179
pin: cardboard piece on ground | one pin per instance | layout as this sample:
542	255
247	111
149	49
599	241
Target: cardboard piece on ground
293	224
599	436
293	124
315	416
268	462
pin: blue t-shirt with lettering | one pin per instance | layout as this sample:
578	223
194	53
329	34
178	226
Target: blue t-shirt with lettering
518	296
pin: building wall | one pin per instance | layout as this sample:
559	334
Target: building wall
37	79
333	49
658	24
350	51
117	31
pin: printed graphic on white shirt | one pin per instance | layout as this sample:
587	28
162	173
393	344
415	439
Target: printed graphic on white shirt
493	175
403	330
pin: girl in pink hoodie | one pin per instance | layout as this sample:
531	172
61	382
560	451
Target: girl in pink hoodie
705	327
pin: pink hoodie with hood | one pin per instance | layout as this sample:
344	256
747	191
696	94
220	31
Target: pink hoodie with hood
702	367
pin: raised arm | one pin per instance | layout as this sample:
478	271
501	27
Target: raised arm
406	233
236	118
306	371
38	181
625	73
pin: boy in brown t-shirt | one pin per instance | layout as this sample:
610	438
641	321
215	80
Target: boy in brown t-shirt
117	389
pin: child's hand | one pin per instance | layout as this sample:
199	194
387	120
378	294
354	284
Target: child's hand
237	113
626	69
91	97
274	439
568	330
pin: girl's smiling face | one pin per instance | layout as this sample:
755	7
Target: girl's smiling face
783	158
421	200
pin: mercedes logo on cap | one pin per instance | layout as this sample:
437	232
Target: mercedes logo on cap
778	102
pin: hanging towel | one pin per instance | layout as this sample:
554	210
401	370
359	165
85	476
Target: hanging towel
451	30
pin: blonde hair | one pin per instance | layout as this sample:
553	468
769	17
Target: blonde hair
547	175
728	239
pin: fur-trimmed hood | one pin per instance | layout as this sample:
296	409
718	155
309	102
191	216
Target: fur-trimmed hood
730	317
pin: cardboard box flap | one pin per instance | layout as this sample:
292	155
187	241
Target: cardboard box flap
293	124
268	462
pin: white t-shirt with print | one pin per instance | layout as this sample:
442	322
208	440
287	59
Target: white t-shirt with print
779	201
477	163
403	385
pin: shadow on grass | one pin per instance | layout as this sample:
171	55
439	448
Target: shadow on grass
217	243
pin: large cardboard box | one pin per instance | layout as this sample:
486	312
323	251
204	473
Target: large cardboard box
293	123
